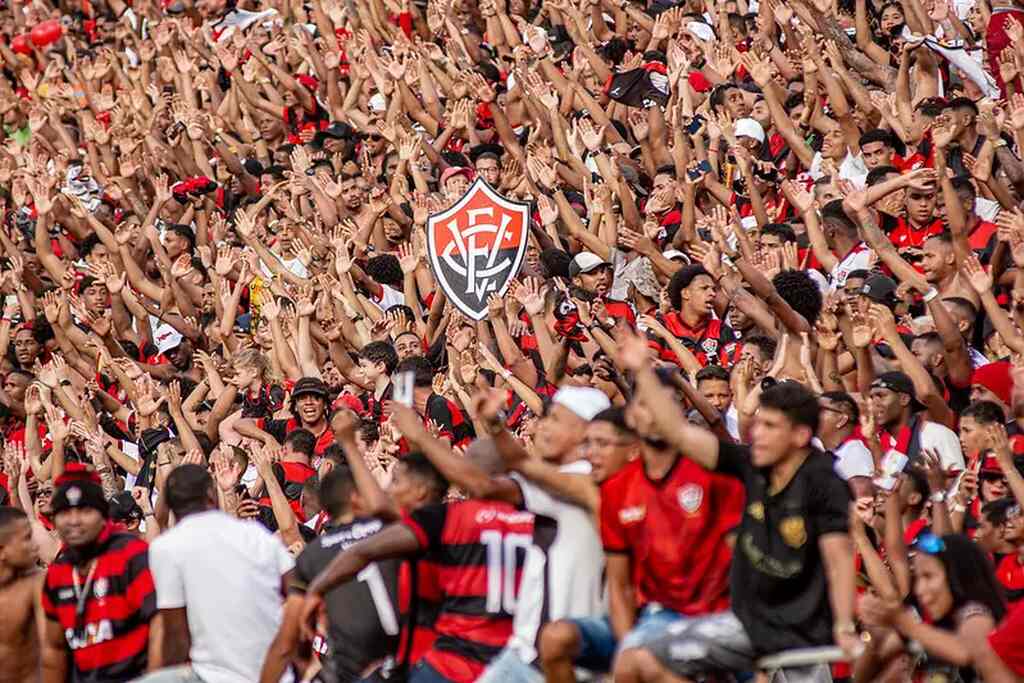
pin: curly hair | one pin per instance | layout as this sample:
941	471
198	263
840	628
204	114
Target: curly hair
799	291
386	270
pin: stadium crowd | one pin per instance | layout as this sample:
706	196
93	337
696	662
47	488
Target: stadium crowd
747	405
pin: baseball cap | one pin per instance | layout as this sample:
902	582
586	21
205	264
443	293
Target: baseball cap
585	262
880	289
749	128
310	386
586	402
900	383
123	508
453	171
673	254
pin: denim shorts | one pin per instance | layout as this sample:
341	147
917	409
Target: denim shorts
598	641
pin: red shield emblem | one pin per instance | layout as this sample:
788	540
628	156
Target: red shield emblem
476	247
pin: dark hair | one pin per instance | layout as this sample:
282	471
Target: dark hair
799	291
833	214
188	489
301	441
336	490
963	103
422	469
798	403
9	516
665	169
847	401
616	416
962	183
682	279
712	372
784	232
966	307
969	575
766	345
404	310
997	511
421	368
876	135
381	352
877	175
859	274
90	242
985	412
717	98
184	231
385	269
556	262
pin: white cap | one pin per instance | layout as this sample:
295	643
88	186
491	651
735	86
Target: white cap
749	128
701	31
378	102
166	338
586	402
584	262
675	253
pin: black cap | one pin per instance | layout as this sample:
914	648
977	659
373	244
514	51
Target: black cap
336	131
881	289
310	385
900	383
489	148
123	508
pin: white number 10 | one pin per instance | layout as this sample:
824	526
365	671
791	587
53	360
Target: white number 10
501	568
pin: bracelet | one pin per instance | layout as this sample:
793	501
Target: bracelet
930	295
938	497
149	514
999	143
958	507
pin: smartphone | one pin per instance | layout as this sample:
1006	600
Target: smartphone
243	491
702	168
403	383
694	125
892	465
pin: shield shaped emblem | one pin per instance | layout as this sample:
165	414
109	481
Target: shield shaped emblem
477	246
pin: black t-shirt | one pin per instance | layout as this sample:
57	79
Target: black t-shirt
778	582
363	613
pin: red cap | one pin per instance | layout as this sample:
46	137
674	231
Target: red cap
453	171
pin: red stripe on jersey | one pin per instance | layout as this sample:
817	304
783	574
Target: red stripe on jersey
101	655
483	630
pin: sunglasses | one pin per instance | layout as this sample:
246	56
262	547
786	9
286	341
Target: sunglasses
929	543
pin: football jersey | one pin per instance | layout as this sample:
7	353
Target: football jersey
363	613
674	531
480	547
713	343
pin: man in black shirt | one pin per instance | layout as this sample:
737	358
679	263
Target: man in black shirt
792	577
363	614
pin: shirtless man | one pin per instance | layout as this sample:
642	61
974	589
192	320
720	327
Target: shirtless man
20	584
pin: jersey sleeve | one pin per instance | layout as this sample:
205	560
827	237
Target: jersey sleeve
167	577
829	507
304	571
733	460
427	523
613	537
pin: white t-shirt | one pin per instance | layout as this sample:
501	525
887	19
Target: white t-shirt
945	442
227	574
568	578
852	168
854	459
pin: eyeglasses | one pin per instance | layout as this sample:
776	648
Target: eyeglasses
929	543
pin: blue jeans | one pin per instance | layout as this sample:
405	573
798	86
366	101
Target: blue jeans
424	673
175	674
598	641
509	667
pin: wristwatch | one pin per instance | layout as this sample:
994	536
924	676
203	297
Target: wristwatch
938	497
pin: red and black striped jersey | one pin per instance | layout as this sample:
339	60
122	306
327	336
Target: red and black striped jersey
109	635
713	343
479	548
450	418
